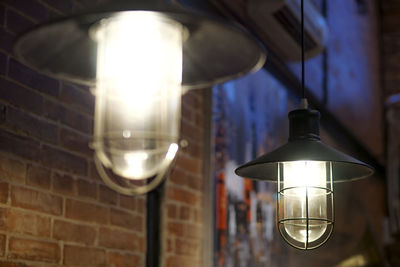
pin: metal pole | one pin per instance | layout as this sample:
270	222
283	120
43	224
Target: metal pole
153	226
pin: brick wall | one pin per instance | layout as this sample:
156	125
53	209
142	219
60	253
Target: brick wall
182	206
390	12
390	21
54	209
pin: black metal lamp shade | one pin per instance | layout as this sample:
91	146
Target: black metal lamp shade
215	50
304	144
305	170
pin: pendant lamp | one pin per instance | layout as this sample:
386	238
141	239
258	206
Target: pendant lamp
305	170
139	57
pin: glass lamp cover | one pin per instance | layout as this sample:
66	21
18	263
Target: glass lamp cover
306	169
138	92
305	202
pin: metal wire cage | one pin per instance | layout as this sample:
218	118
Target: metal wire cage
305	170
141	56
305	210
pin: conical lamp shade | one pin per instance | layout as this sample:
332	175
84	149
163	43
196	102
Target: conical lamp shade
304	144
305	170
214	51
265	167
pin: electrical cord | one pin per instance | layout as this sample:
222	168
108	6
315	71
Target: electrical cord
302	50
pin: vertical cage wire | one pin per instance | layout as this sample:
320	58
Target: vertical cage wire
308	221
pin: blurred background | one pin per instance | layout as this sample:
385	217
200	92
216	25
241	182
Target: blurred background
56	211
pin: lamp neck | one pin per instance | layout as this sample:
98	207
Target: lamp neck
304	124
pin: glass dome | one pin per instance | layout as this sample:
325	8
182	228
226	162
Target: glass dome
305	202
138	92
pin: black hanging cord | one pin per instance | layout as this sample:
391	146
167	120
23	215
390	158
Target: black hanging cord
302	50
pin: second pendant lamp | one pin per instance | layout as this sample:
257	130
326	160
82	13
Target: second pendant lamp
305	170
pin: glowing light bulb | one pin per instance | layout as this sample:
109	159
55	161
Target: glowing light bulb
138	92
305	202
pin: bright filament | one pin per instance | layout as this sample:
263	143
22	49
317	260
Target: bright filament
305	202
138	92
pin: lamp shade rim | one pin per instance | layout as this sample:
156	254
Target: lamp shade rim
345	167
216	50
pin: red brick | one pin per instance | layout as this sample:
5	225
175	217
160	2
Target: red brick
390	20
87	4
120	240
187	113
34	200
172	211
175	228
187	247
51	109
64	6
193	231
123	260
198	216
75	120
184	213
3	113
38	176
3	218
17	23
28	223
86	189
108	196
30	8
20	146
127	220
188	164
194	149
195	183
13	264
75	142
11	169
127	202
76	97
174	261
67	231
64	184
2	245
199	120
20	96
6	40
182	195
33	250
84	256
3	63
54	14
178	177
2	15
93	173
3	192
141	204
170	245
191	132
86	212
55	158
31	78
191	100
22	122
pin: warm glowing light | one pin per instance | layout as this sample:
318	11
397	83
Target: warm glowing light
139	75
305	200
173	148
135	162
